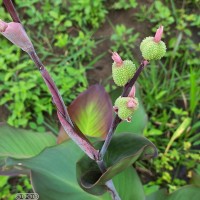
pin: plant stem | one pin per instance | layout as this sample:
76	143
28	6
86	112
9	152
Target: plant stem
67	124
117	120
113	127
110	186
62	113
112	190
58	101
107	141
11	9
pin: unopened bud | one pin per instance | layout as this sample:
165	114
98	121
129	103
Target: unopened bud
15	32
153	48
126	107
122	71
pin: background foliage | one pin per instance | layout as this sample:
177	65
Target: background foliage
71	37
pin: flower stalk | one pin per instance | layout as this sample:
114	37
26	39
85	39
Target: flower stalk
126	92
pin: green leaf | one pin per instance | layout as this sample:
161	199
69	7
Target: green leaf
178	132
53	172
3	181
128	185
139	118
189	192
53	175
158	195
123	151
91	111
185	193
18	143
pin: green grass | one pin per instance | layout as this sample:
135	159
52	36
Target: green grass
63	34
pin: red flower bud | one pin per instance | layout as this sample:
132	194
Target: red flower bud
15	32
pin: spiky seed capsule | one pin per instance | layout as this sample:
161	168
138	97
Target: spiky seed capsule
123	73
152	50
124	112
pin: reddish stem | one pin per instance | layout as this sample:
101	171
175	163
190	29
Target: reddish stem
11	9
62	113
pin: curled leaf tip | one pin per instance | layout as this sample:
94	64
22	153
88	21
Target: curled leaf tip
3	26
158	34
117	59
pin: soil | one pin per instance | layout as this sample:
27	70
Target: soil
3	114
102	69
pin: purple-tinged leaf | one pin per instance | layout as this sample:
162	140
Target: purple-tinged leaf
91	111
79	139
64	118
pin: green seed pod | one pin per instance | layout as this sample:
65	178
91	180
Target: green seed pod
126	106
123	73
152	50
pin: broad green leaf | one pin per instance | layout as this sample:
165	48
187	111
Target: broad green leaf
91	111
158	195
128	185
123	151
189	192
53	174
139	118
185	193
19	143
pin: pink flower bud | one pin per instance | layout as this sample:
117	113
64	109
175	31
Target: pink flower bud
3	26
158	34
15	32
117	59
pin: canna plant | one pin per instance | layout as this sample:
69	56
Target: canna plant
85	160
